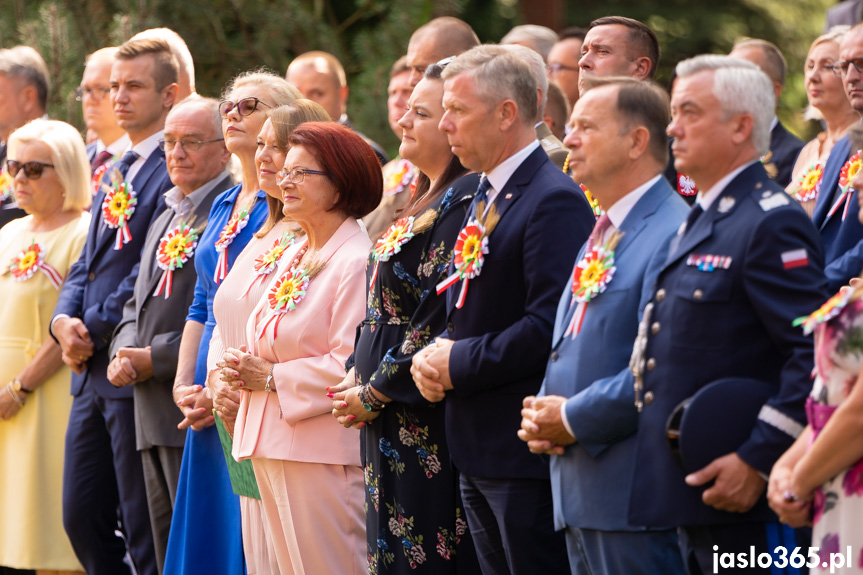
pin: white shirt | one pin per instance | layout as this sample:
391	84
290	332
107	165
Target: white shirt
144	149
501	173
117	147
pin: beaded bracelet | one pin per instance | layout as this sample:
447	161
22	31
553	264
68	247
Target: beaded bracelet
14	395
370	401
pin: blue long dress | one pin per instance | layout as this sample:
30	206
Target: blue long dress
205	529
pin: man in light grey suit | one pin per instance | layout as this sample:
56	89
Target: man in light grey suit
146	342
584	415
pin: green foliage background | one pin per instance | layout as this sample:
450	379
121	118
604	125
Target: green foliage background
229	36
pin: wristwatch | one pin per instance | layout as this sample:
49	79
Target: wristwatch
17	387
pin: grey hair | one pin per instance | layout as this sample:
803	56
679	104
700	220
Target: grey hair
741	88
25	63
500	74
540	38
537	66
207	105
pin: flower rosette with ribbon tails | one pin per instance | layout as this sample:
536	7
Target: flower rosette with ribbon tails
230	230
175	250
809	183
398	177
267	261
29	261
591	276
826	312
117	209
287	293
398	234
846	176
470	250
7	185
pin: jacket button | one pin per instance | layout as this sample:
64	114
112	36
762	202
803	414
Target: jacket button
660	294
91	276
697	294
648	398
554	356
450	327
654	328
651	363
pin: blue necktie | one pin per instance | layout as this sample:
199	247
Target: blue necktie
481	194
696	211
125	163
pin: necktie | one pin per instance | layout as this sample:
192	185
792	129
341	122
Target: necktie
482	193
126	162
599	229
99	159
696	211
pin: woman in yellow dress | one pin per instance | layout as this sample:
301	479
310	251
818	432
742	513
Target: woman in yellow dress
48	165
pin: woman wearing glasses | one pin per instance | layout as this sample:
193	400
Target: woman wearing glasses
415	522
51	176
298	339
205	535
244	286
827	101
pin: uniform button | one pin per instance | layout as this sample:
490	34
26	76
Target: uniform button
450	327
660	294
697	294
91	276
651	363
554	356
648	398
654	328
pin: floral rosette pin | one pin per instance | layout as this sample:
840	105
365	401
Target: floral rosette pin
29	261
591	277
96	180
391	243
594	203
826	312
267	261
233	227
285	296
846	176
809	184
398	177
470	250
175	250
7	185
117	209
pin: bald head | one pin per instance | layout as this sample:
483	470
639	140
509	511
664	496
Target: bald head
320	77
767	56
439	39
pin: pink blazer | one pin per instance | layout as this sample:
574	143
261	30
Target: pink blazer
314	342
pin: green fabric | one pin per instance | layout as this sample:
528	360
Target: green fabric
242	475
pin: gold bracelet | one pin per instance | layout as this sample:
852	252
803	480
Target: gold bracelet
14	395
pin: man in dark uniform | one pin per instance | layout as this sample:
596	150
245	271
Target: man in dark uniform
746	263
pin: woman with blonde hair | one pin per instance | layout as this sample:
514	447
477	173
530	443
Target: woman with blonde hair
51	175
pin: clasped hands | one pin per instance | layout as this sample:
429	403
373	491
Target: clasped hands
791	502
542	425
430	370
347	407
75	342
131	365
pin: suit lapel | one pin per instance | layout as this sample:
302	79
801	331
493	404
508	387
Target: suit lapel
154	273
829	180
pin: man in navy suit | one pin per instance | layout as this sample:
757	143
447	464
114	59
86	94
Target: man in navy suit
784	146
746	263
837	206
585	417
499	329
103	468
94	95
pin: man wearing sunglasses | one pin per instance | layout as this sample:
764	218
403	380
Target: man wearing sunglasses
837	207
23	96
102	469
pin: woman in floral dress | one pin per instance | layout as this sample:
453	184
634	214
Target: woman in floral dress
414	517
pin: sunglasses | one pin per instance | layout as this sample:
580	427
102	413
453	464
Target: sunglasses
244	107
840	68
32	170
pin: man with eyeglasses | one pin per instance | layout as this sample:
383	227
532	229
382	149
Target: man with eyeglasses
94	95
837	206
103	469
23	97
146	343
562	62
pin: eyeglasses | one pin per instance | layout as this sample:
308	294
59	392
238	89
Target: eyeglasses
297	175
188	145
95	93
32	170
554	69
244	107
840	68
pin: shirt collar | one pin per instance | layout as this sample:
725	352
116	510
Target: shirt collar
621	208
708	197
182	204
147	146
501	173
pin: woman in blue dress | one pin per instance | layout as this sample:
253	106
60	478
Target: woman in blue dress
205	529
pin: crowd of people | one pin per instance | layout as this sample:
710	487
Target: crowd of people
580	324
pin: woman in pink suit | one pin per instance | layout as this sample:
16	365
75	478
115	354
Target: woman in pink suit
298	339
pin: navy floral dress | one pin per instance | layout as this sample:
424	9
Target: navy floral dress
415	522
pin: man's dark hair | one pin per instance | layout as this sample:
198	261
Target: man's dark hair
642	40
